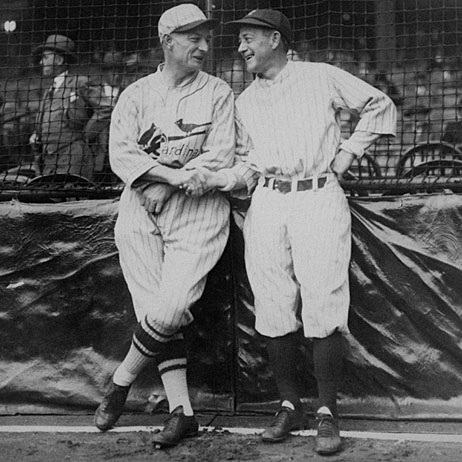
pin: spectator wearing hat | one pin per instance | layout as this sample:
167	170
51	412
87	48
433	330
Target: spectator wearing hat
72	112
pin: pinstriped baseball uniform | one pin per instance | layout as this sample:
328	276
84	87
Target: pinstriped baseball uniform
166	257
298	244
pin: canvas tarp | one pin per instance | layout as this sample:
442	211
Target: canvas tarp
66	318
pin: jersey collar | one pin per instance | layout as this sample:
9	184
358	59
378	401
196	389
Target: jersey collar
283	74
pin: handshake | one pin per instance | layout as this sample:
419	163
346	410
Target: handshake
195	181
198	180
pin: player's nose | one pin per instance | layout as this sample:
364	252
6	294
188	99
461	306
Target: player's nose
242	47
204	45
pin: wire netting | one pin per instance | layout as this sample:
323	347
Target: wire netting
410	49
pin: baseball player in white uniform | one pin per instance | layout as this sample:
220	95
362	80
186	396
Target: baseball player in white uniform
297	230
163	126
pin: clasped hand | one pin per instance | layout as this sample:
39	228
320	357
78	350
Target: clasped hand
196	181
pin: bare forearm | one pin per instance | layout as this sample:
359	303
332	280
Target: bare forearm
342	162
203	180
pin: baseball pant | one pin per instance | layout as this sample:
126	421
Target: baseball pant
166	258
298	248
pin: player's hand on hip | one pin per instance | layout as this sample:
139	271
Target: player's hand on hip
154	197
341	163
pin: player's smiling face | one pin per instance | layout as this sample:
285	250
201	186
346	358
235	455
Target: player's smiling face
255	46
190	48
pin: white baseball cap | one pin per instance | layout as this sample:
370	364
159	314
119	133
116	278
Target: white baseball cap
183	18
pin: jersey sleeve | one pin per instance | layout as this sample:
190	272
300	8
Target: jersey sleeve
218	148
128	161
243	167
376	111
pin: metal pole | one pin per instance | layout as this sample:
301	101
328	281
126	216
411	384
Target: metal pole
211	64
385	32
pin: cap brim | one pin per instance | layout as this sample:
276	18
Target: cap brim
236	25
210	23
248	22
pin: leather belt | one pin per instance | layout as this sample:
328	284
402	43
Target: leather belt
286	186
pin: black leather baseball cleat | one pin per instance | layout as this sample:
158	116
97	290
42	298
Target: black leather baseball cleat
111	408
328	435
285	421
176	427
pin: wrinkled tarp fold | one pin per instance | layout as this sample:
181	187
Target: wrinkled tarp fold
66	317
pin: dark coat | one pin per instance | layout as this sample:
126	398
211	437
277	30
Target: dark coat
68	121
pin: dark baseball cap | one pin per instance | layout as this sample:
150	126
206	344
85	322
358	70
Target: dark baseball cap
269	19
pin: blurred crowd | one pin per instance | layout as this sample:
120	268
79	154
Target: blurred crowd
426	93
20	100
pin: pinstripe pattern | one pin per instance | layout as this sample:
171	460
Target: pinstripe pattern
308	240
206	101
165	261
301	132
298	244
165	258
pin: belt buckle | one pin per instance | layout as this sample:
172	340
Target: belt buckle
282	186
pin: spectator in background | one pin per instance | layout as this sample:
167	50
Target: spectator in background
293	55
18	109
343	59
232	70
453	130
383	83
72	113
378	79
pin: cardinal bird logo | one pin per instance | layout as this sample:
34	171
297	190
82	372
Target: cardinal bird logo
151	140
189	128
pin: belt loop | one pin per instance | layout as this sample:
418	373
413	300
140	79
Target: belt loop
315	183
294	186
271	183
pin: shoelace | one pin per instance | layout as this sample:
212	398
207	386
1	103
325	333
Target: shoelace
280	418
172	423
115	401
326	427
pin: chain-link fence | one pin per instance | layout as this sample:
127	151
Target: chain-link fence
408	48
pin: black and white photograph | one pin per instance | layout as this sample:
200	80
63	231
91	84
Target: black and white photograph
231	230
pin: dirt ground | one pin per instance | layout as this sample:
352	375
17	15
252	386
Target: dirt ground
209	446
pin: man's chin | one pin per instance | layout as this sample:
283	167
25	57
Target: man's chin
250	66
197	64
251	69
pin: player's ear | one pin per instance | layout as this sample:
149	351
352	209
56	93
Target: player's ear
58	59
276	39
168	40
